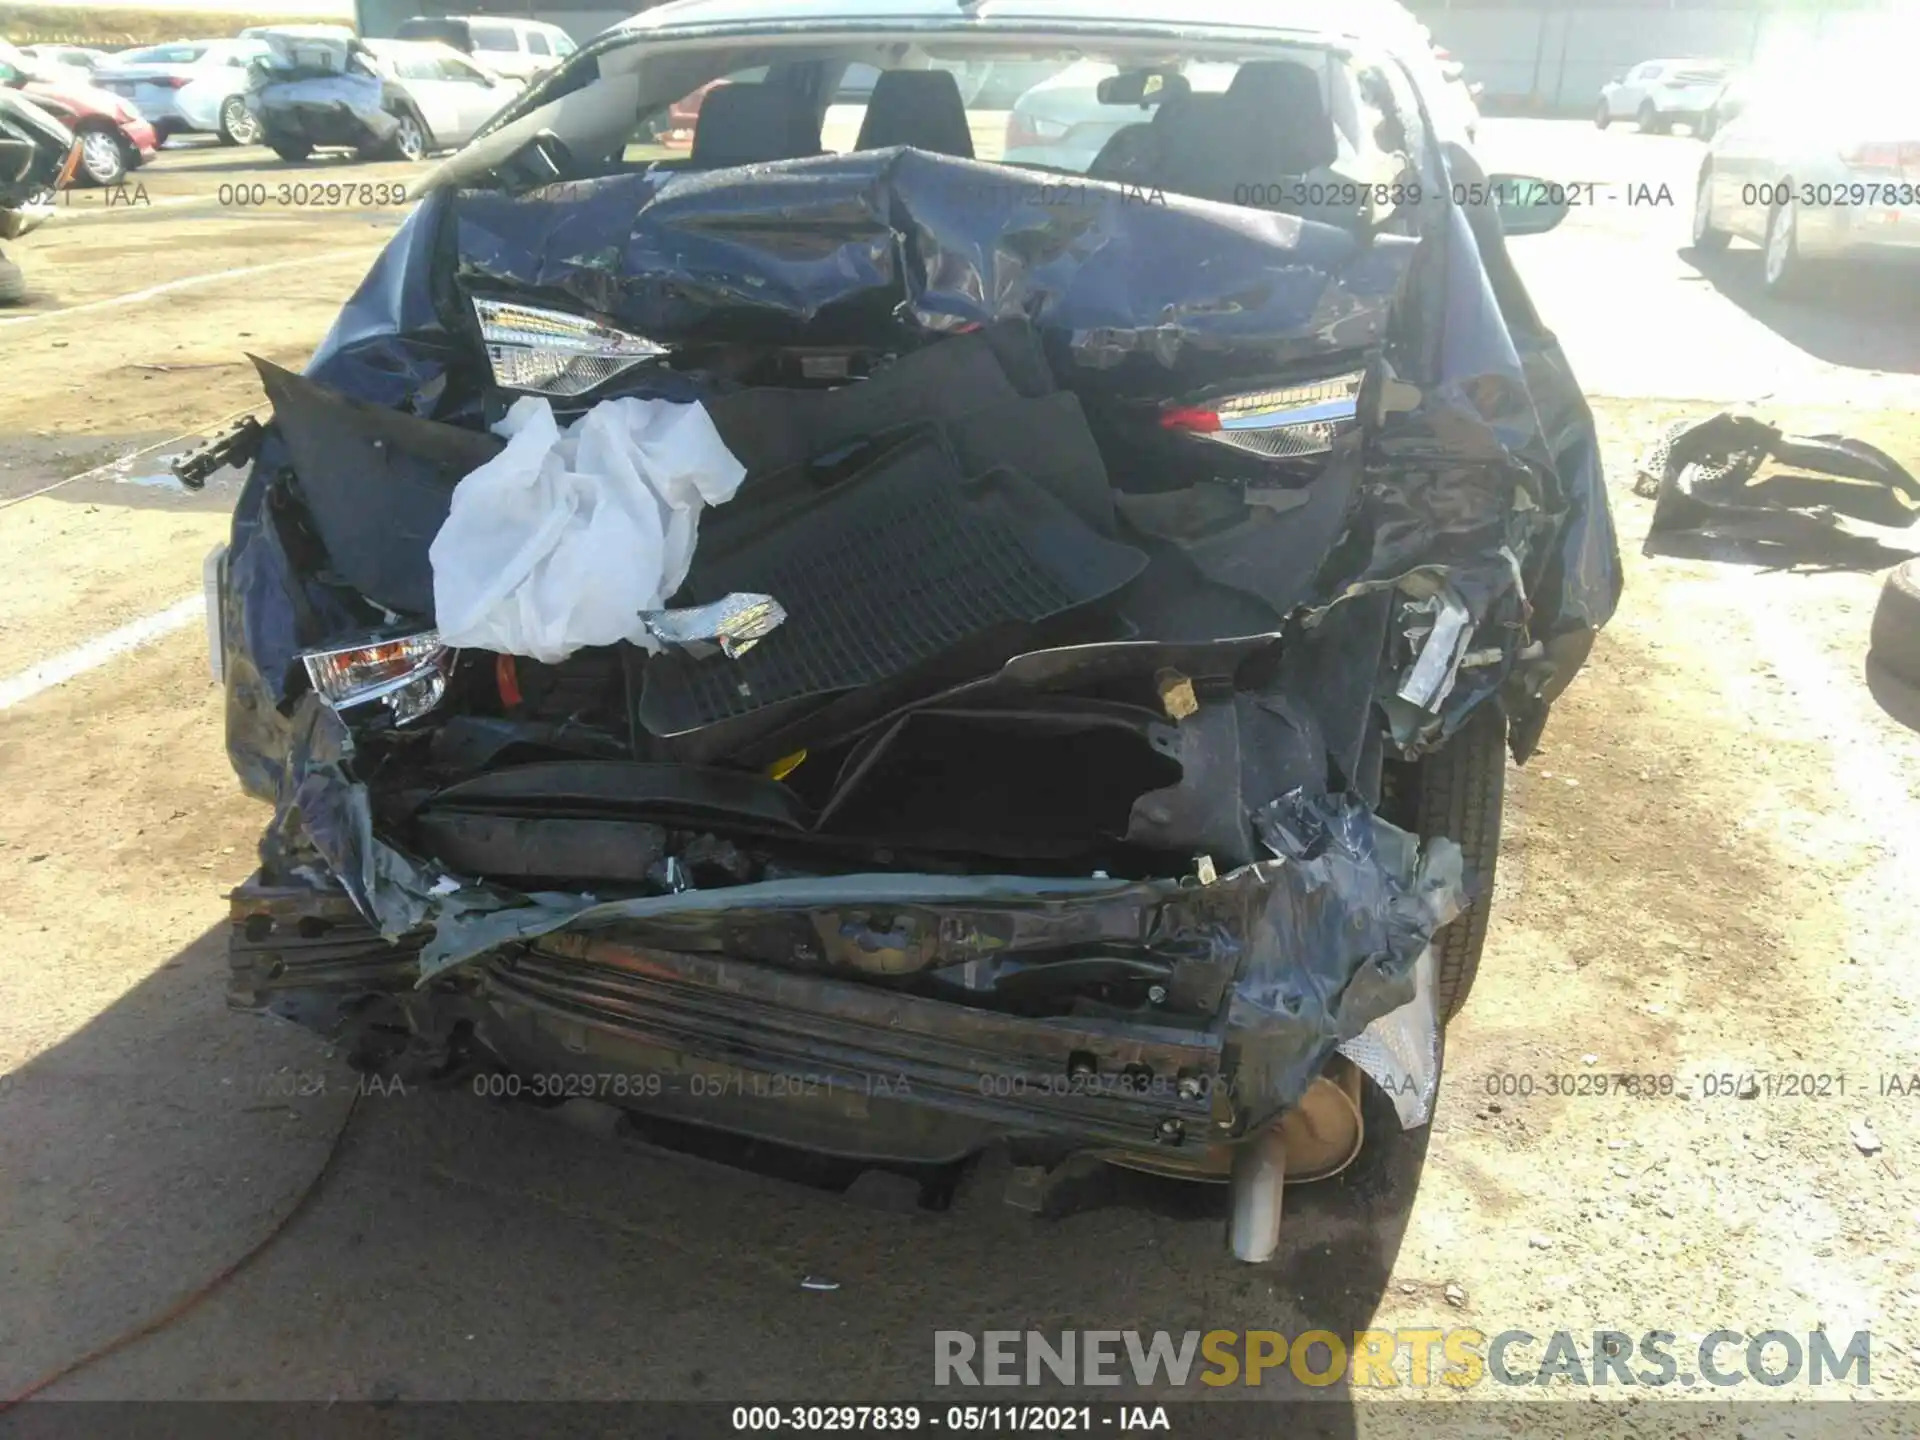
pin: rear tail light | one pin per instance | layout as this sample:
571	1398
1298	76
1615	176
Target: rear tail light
1026	131
170	82
1884	155
407	673
1286	422
552	352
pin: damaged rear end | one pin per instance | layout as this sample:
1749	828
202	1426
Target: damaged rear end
1044	721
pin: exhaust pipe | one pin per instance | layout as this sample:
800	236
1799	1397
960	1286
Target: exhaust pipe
1321	1135
1259	1181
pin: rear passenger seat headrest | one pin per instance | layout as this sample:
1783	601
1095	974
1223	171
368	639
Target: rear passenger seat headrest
921	108
744	124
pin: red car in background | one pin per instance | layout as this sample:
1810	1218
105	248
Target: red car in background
113	137
675	127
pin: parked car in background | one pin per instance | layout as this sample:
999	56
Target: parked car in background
188	87
1821	162
1658	94
516	49
67	57
113	137
398	98
38	154
1727	103
307	32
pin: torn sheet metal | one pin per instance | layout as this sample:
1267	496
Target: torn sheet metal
734	624
1320	944
1442	645
1482	442
837	246
1361	897
1401	1050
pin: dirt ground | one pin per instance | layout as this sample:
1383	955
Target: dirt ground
1708	873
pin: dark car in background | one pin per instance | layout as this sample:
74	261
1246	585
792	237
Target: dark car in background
38	155
1082	731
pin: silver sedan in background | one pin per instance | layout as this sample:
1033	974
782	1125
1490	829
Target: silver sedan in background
1821	163
188	87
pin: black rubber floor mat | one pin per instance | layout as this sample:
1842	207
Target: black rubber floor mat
621	787
885	572
377	483
770	429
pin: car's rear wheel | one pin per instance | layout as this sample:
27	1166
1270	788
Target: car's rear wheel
292	151
1782	271
1894	641
103	156
1459	791
237	123
409	138
1648	118
1706	236
1603	117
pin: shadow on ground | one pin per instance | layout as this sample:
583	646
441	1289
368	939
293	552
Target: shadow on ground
467	1248
1829	322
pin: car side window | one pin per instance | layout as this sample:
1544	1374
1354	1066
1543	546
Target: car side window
451	68
494	38
563	45
537	43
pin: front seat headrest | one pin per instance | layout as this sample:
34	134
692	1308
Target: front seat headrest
921	108
1277	108
743	124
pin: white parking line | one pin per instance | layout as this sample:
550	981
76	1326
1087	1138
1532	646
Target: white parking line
67	213
118	465
185	283
99	650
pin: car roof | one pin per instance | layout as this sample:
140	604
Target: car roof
400	49
493	20
1353	19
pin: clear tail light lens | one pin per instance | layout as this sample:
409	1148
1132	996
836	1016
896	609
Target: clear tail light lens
407	673
551	352
1285	422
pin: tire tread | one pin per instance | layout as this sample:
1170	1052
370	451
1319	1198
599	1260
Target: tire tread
1462	794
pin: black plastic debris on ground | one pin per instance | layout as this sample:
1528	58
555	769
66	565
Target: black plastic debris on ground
1711	500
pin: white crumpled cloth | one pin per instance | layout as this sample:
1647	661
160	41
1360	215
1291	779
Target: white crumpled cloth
563	538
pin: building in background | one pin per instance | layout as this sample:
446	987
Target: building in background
1552	56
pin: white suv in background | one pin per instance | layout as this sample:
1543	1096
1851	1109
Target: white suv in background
1656	93
512	48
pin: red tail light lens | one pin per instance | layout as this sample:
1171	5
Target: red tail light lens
1884	154
407	672
1025	131
1284	422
